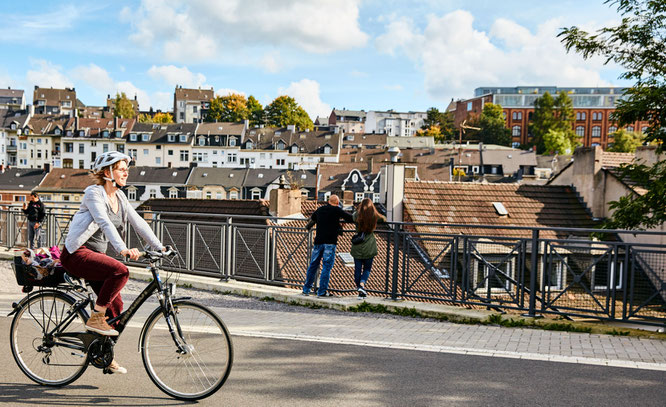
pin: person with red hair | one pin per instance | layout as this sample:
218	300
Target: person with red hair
364	252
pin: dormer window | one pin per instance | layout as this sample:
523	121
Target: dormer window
56	132
294	149
304	176
69	133
183	138
280	145
119	133
132	137
171	138
13	126
82	133
105	134
202	141
327	149
232	142
27	131
217	139
249	145
145	137
260	175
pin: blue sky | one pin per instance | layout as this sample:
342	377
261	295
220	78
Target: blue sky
354	54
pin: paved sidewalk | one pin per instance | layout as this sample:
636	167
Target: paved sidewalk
413	334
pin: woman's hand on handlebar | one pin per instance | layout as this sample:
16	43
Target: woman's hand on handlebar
133	254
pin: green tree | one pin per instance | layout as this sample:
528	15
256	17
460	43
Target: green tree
284	111
123	107
230	108
442	122
159	117
256	111
637	44
492	124
543	120
558	142
626	141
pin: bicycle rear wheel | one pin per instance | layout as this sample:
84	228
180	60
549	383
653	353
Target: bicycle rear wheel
204	365
43	356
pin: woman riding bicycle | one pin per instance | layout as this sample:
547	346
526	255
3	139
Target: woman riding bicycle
100	220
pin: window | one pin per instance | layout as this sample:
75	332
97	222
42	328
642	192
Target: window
517	115
475	169
132	137
469	106
630	128
294	149
105	148
81	164
596	131
515	131
611	130
69	147
233	194
132	153
145	137
232	158
644	129
105	133
209	195
493	273
169	152
606	274
194	109
555	275
202	141
248	145
82	148
152	194
327	150
131	194
255	193
596	116
305	193
279	161
358	196
232	142
581	116
171	138
183	138
145	151
39	153
218	195
120	148
184	155
580	131
158	160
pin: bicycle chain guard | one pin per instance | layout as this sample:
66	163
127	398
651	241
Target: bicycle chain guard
100	352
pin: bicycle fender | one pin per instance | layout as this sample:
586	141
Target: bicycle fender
157	310
19	306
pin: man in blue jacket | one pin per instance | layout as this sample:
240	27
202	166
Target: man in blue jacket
35	213
327	219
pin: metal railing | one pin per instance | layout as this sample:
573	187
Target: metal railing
531	270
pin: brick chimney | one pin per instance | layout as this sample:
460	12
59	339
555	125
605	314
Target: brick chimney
285	203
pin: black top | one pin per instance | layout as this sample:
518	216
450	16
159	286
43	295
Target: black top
35	211
327	218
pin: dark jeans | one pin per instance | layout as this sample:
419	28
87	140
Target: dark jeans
34	233
325	252
106	276
362	269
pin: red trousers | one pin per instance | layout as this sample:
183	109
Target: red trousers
106	276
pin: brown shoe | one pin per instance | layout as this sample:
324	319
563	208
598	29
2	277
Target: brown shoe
114	367
97	323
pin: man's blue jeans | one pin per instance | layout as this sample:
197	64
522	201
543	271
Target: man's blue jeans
325	252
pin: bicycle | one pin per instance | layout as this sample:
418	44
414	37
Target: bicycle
185	347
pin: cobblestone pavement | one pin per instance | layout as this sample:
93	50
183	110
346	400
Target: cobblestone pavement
253	317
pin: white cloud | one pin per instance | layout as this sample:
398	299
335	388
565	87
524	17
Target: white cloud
269	62
162	101
47	74
208	30
174	75
227	92
132	91
306	93
96	77
456	58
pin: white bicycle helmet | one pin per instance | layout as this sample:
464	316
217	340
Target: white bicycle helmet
109	158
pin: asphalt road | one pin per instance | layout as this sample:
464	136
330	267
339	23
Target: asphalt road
275	372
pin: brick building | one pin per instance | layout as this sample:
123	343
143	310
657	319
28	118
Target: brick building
592	110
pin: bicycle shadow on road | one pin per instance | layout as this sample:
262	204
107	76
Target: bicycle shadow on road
31	394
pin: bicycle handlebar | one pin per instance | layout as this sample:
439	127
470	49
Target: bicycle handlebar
154	255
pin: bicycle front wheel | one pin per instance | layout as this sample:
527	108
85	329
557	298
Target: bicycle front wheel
200	364
38	349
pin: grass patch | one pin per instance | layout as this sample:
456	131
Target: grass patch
615	332
496	319
267	299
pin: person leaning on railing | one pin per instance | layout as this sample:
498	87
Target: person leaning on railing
364	252
101	218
